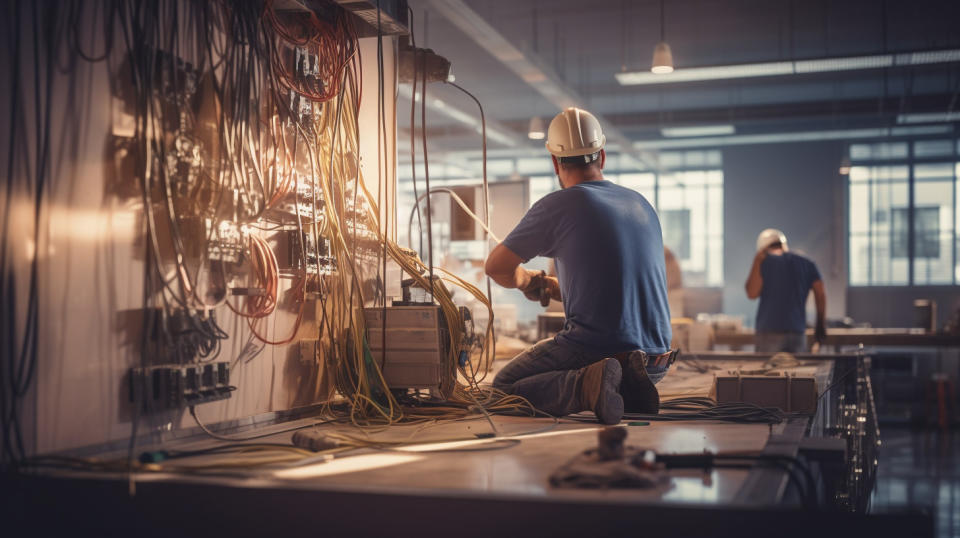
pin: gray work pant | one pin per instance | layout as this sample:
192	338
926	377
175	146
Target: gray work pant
768	342
547	374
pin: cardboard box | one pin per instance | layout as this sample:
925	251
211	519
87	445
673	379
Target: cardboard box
792	394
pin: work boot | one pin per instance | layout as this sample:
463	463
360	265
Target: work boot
638	392
598	390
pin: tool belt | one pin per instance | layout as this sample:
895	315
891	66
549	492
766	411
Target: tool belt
662	360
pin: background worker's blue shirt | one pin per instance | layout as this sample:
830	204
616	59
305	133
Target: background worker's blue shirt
608	247
786	283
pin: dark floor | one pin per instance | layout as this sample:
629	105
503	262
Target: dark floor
918	470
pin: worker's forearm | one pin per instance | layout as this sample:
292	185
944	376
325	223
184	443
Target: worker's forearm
754	283
519	278
821	301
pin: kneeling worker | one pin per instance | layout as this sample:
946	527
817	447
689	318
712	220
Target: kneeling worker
608	247
782	280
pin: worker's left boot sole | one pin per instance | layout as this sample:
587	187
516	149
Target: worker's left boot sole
609	407
639	393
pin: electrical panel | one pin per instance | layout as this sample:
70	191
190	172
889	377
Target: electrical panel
233	157
232	223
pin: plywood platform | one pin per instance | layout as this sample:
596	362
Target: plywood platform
450	458
450	477
524	469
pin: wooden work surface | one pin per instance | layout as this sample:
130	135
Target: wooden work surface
519	471
518	463
524	469
431	488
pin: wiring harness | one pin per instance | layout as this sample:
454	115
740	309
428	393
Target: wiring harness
243	125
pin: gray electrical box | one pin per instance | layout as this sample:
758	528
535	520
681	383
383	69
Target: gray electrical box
417	348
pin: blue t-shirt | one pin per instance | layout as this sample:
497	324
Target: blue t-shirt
608	247
786	283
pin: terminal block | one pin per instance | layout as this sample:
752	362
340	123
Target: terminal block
170	387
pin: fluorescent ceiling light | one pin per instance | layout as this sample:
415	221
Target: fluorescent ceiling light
850	63
769	69
803	136
929	117
698	130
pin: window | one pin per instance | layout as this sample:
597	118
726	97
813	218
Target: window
688	196
927	222
541	186
933	223
676	231
690	204
645	184
902	222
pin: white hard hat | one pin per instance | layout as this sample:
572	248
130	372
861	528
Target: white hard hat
574	132
769	237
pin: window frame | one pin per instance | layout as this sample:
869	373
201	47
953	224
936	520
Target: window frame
706	167
910	162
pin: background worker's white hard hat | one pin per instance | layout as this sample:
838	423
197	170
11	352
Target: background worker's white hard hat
769	237
574	132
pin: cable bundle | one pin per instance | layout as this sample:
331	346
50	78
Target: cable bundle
334	42
266	275
197	336
697	408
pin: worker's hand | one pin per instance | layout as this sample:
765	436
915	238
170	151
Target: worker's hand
541	288
820	332
532	289
761	255
553	287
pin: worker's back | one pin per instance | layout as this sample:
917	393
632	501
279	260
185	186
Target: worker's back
608	247
787	278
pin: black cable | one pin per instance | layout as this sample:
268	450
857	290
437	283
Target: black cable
219	437
836	383
148	317
799	464
413	135
486	186
21	367
426	171
744	413
806	487
8	399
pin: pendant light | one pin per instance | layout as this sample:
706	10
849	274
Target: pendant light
536	131
662	56
845	166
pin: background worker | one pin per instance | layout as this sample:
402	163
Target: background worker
783	280
608	248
